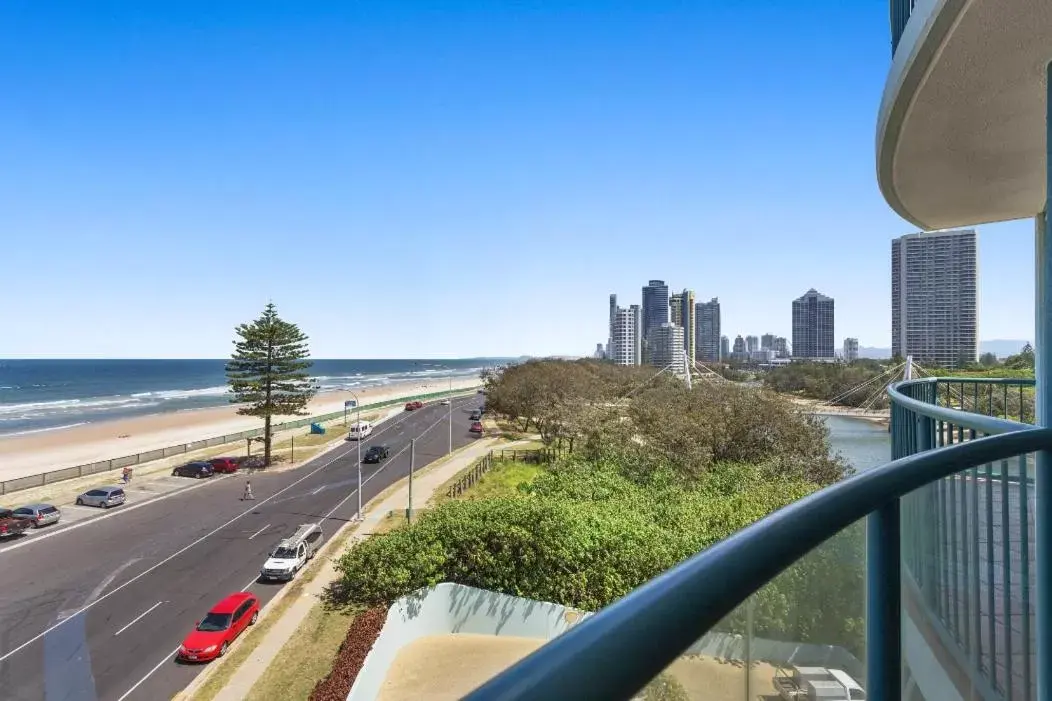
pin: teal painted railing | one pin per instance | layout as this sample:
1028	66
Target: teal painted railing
947	598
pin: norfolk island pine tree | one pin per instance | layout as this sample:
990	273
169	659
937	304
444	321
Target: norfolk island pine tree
267	372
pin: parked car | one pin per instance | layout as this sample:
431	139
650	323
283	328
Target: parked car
475	416
39	514
213	635
412	406
197	470
103	497
376	453
445	402
11	525
291	554
225	465
476	427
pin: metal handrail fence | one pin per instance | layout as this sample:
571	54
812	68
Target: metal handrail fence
67	473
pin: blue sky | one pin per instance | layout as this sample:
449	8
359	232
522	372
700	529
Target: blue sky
443	179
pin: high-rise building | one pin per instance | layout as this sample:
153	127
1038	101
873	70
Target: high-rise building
739	346
690	324
666	345
934	280
655	306
626	342
725	347
850	349
752	343
613	315
707	346
767	341
780	347
600	352
813	326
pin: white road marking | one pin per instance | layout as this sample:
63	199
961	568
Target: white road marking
255	578
125	508
259	531
167	658
93	518
319	489
381	468
168	559
137	618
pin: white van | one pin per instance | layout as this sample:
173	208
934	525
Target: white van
359	431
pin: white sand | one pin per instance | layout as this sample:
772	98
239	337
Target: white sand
51	450
447	667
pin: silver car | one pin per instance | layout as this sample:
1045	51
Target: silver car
103	497
39	514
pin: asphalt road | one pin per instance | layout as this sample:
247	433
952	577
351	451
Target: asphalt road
96	613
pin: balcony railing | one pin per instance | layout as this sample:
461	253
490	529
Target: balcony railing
916	578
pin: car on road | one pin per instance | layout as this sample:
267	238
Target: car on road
102	497
39	514
376	453
476	416
476	427
413	406
11	525
445	402
197	470
213	635
225	465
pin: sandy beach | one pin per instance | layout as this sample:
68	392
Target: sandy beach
39	452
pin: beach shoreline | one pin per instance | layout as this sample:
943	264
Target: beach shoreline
34	453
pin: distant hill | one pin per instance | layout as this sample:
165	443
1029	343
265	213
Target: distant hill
1001	347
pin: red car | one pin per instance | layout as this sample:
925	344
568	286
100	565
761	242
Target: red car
224	465
476	427
410	406
211	637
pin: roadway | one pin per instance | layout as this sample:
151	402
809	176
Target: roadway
97	612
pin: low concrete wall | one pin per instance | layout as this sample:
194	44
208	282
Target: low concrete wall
454	608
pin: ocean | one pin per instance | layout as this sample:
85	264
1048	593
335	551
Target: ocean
44	395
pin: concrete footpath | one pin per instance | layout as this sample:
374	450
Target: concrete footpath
425	485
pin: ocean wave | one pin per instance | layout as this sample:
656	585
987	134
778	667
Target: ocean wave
43	430
216	391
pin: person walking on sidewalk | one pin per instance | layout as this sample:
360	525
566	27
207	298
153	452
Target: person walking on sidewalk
248	496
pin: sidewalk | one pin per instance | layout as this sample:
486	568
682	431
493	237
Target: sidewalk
425	483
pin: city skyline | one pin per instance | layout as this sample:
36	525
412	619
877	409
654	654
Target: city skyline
561	141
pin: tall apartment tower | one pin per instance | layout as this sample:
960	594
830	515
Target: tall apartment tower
813	326
752	343
626	346
655	307
707	345
682	313
934	281
850	349
666	345
725	348
613	316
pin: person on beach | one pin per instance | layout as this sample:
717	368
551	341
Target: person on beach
248	496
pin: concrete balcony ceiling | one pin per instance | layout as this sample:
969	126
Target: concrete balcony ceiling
961	132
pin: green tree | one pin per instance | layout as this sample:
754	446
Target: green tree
988	360
267	372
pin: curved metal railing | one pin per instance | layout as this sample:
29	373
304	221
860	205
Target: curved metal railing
618	651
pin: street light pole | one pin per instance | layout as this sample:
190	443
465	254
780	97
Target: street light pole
450	413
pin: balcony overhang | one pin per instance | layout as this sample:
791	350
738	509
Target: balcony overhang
961	132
